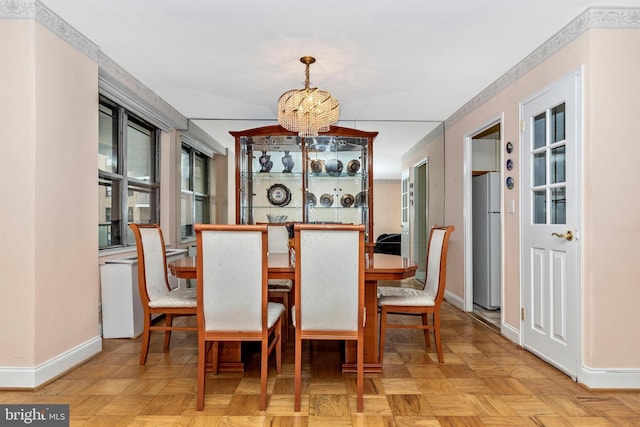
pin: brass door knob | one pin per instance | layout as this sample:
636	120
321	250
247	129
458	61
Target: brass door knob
568	235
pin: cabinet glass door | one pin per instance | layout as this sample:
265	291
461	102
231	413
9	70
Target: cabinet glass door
282	177
337	180
271	179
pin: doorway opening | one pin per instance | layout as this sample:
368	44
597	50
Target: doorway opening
485	224
420	217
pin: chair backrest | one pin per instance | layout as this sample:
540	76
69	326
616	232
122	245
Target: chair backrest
232	277
153	281
329	276
436	279
278	239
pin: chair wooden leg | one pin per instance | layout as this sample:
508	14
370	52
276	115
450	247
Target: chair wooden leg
264	364
146	335
279	346
383	333
360	374
436	328
202	351
167	333
285	317
425	323
298	372
214	356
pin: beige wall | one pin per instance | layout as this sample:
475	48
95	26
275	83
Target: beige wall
610	231
49	257
386	208
17	228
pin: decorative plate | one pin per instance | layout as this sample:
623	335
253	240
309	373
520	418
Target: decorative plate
361	199
509	164
326	200
510	183
279	195
353	167
346	200
509	147
317	166
311	199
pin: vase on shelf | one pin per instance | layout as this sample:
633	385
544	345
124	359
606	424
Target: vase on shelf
265	162
287	162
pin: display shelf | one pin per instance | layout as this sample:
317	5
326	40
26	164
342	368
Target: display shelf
280	173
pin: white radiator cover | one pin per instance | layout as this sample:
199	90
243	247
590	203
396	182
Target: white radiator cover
122	314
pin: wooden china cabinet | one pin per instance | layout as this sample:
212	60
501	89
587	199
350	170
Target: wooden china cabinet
282	177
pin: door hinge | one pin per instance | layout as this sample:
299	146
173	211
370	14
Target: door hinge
522	313
521	125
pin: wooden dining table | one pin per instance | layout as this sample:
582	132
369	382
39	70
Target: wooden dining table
377	267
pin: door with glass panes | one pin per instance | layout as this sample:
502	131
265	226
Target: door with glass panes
550	151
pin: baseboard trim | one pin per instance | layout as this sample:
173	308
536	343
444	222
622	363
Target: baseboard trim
510	333
454	300
614	378
593	378
32	377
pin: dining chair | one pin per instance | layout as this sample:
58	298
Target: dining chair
411	301
280	289
233	298
157	297
329	292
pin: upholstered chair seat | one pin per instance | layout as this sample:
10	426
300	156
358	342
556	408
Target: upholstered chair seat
405	296
280	284
179	297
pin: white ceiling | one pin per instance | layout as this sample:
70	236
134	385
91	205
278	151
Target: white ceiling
398	67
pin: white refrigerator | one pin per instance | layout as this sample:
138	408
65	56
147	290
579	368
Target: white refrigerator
487	283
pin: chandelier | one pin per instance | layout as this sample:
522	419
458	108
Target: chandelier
309	110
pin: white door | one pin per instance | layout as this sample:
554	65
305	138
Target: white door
405	237
550	151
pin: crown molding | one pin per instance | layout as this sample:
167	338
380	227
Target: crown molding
17	9
197	138
614	17
595	17
33	9
115	83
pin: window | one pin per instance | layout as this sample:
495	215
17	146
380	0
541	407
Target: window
127	174
194	205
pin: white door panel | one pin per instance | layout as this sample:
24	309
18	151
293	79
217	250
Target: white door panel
550	152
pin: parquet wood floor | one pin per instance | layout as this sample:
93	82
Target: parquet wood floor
485	381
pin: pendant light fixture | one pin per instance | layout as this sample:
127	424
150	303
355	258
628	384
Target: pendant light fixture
309	110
